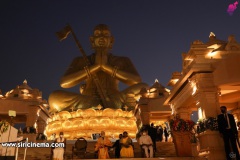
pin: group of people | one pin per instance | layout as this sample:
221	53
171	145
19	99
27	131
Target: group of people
123	146
149	134
157	133
162	132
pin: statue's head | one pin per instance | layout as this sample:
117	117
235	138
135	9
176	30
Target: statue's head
102	38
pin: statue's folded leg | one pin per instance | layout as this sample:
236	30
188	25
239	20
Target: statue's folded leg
132	94
116	100
63	100
135	89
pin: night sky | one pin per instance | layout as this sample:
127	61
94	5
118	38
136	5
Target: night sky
152	33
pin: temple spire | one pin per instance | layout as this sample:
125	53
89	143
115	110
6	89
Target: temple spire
25	81
212	35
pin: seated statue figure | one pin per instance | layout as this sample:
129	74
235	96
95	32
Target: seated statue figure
107	68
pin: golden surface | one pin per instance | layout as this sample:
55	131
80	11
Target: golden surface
107	69
84	123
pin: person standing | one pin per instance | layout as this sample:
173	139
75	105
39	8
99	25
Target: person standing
228	130
58	152
117	147
146	143
165	131
102	145
126	146
152	132
159	133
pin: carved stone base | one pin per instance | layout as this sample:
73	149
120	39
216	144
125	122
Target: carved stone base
182	143
211	145
85	123
194	149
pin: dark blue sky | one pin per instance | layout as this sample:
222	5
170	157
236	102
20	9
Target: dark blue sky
153	33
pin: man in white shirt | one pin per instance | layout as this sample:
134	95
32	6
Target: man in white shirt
146	143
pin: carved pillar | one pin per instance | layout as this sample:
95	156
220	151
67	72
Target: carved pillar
207	101
206	95
184	113
145	114
32	116
41	125
236	113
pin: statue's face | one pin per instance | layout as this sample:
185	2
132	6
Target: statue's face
102	39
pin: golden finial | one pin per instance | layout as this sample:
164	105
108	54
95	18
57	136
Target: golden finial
25	81
99	107
212	34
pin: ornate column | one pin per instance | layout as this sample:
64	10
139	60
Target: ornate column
236	113
145	114
144	110
41	125
206	97
32	116
184	113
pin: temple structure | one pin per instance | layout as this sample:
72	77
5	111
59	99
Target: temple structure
31	109
210	78
150	108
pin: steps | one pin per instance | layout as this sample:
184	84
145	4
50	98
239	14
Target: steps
165	151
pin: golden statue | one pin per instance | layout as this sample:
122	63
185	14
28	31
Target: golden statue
101	73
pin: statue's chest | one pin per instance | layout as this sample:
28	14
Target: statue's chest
105	80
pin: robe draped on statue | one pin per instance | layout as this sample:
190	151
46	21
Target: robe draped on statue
59	152
102	147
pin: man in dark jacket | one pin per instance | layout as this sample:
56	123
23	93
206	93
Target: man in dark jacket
152	132
228	130
117	147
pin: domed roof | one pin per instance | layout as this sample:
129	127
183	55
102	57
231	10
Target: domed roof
25	85
157	85
213	40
